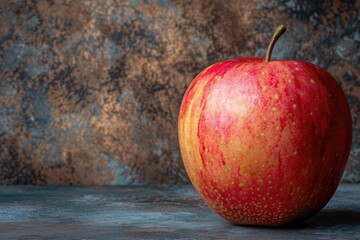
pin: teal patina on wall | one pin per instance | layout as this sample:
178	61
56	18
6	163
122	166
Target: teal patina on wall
90	90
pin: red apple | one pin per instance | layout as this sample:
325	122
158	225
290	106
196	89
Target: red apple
265	142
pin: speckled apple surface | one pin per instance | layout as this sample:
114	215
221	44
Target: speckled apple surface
90	90
265	143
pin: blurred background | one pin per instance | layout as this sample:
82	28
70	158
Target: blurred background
90	90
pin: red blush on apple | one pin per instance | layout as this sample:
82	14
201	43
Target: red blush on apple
265	142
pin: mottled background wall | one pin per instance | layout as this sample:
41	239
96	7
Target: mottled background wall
90	90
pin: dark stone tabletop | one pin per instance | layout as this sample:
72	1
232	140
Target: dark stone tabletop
90	90
162	212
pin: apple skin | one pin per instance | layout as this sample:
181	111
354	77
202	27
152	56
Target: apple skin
265	143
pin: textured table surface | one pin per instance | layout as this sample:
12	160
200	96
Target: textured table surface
176	212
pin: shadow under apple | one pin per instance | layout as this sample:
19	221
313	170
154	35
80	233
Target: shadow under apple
335	217
329	218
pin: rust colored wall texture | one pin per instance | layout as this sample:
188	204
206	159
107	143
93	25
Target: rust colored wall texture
90	90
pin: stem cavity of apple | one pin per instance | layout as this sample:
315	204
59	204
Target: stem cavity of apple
279	31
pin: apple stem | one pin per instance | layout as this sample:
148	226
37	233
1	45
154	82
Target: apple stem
279	31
